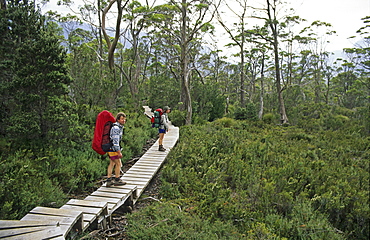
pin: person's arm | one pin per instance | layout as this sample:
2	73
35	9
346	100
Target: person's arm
165	122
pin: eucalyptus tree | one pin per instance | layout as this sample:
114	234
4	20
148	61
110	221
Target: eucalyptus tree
93	83
208	84
273	23
120	47
351	87
239	39
316	42
360	54
161	87
135	57
273	33
186	22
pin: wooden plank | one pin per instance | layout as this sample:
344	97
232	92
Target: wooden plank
138	176
8	224
148	159
56	212
139	171
88	218
108	200
150	156
84	210
110	206
133	187
62	220
67	224
75	218
143	167
143	174
153	151
114	190
18	231
150	163
108	194
54	233
144	171
122	202
134	180
100	209
85	203
154	165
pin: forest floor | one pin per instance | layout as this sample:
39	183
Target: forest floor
117	230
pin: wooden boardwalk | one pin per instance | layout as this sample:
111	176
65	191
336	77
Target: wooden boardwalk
95	211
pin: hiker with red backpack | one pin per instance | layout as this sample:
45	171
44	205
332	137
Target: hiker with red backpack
115	154
163	127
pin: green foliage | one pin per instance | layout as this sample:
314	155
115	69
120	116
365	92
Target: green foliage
35	80
137	131
25	184
169	221
249	112
303	223
162	91
225	122
177	117
93	84
269	118
208	103
74	171
316	117
288	182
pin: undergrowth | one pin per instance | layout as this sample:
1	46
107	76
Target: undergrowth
264	182
51	176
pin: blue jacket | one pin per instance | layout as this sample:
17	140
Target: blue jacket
116	136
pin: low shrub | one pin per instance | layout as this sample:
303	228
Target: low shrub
169	220
25	184
312	184
177	117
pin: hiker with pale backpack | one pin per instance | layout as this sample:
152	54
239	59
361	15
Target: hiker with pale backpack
163	127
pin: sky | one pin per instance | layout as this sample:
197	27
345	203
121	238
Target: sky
344	15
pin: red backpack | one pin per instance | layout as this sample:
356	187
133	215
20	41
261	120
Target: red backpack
101	142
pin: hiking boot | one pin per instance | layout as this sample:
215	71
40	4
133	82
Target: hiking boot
118	182
109	182
161	148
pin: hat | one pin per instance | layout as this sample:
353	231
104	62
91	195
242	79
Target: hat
165	108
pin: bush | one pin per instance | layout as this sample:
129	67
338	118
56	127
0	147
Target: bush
177	117
170	221
25	184
268	118
225	122
249	112
312	184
